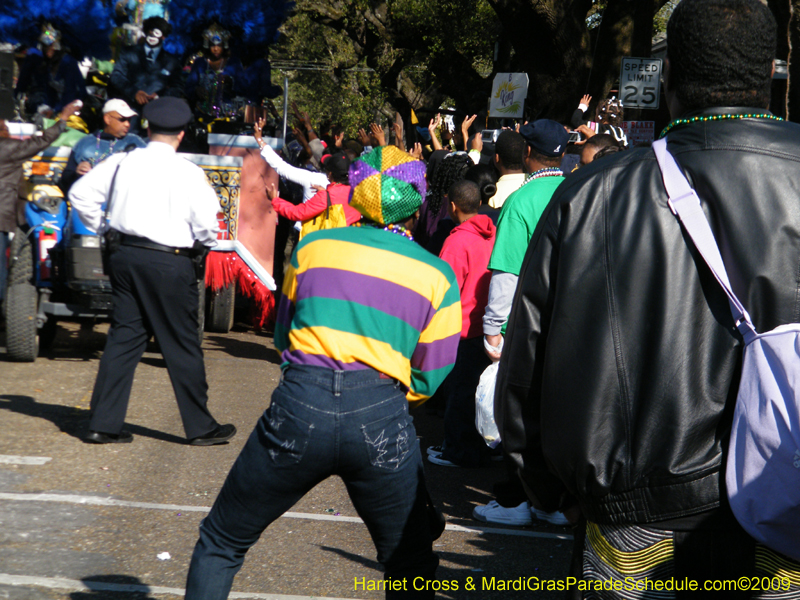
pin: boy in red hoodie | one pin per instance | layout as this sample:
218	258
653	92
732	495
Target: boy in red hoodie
467	250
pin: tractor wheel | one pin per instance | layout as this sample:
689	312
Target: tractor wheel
220	310
22	343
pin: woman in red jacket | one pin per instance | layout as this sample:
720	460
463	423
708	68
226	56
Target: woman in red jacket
336	166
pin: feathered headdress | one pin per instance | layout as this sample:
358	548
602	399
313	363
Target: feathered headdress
86	25
255	22
216	36
50	37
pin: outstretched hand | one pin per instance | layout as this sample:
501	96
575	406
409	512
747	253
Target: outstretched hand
363	137
70	109
465	125
377	133
258	127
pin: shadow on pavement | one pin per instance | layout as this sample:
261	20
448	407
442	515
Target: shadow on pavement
113	587
73	421
243	349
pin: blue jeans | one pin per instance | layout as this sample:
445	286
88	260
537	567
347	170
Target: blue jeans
321	422
463	444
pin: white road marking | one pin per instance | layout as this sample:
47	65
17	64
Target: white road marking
59	583
6	459
100	501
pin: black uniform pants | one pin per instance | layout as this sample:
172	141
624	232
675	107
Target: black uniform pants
153	293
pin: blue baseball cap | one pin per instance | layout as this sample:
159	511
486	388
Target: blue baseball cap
547	137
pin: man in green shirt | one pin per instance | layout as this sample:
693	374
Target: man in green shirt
546	142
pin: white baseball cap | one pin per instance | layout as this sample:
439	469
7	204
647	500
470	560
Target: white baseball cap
119	106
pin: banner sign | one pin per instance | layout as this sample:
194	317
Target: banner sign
639	132
509	91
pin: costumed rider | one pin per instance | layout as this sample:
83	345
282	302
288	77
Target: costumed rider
216	76
369	323
166	215
147	71
49	77
141	10
93	149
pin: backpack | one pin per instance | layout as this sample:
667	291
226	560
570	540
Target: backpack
332	216
763	464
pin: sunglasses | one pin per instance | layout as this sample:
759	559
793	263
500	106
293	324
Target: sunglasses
121	119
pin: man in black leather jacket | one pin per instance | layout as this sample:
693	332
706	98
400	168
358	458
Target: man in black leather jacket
621	363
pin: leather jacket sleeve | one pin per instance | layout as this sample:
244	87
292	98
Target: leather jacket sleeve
519	378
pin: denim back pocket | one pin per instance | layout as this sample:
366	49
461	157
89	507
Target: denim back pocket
285	435
389	440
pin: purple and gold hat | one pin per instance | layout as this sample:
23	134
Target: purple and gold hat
387	185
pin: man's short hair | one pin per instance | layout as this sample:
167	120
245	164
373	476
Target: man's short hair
547	161
510	147
720	53
601	140
466	195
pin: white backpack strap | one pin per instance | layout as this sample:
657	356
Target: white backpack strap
685	204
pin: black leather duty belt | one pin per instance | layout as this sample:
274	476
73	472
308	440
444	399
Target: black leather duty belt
140	242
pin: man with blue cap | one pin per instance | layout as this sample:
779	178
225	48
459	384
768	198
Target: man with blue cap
546	142
164	210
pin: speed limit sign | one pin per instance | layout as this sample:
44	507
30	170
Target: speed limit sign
640	82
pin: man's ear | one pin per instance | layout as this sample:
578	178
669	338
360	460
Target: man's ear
180	136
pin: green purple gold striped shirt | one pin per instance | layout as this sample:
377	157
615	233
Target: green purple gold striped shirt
361	297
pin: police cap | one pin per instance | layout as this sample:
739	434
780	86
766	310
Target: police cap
167	115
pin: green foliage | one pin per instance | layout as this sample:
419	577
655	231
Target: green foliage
370	54
422	36
663	15
327	77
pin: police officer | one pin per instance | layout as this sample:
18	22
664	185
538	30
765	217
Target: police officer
161	204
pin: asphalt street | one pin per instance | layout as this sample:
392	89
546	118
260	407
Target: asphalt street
85	522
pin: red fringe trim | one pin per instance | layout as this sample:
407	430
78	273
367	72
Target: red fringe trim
224	268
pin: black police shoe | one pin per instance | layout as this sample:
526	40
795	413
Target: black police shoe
98	437
219	435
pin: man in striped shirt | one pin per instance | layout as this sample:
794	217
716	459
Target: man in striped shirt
369	323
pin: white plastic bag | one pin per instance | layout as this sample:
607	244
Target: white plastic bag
484	406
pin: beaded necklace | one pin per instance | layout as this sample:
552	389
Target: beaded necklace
548	172
392	228
95	159
705	118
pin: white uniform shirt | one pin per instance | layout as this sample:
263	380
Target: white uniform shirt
158	195
307	179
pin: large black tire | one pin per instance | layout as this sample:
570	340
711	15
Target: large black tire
220	310
22	343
